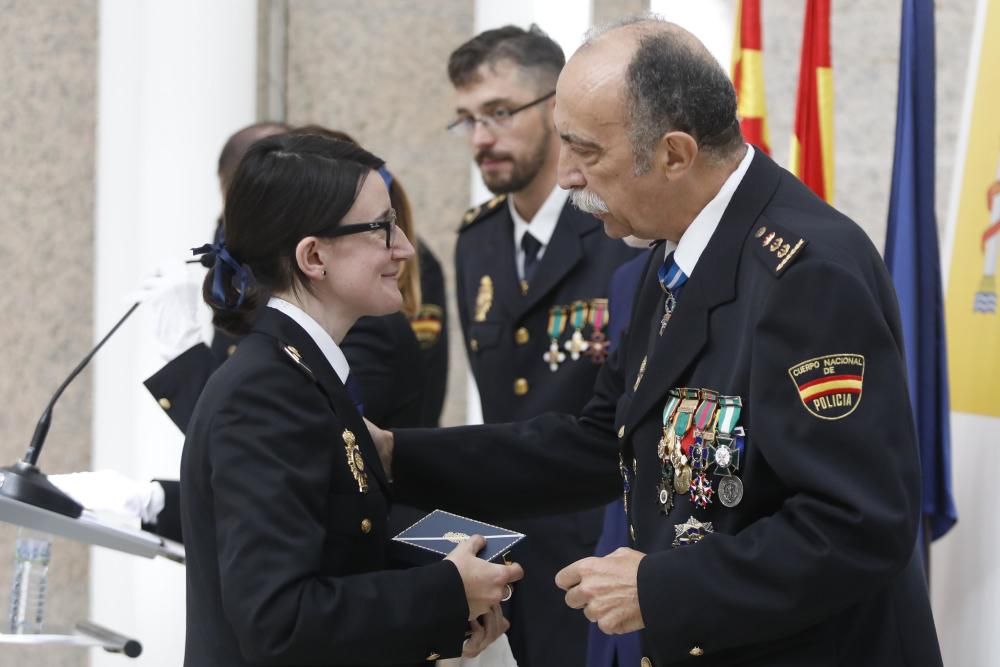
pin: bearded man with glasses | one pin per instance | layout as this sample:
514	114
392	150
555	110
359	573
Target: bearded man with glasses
532	276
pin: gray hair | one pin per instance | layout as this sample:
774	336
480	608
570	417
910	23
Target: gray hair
674	84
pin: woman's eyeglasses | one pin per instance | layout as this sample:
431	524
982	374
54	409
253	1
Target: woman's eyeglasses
387	226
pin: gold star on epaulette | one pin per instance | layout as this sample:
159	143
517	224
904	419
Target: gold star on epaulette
477	213
296	356
776	247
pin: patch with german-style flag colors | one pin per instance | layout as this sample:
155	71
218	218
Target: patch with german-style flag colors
830	386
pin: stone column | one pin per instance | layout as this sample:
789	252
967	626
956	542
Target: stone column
48	53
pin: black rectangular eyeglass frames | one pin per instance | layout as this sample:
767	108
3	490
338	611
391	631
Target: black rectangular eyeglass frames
388	224
498	118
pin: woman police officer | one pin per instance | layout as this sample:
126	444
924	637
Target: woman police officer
283	498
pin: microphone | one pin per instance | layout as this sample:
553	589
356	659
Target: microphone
23	481
207	260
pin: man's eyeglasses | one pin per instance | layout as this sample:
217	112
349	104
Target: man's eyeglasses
499	117
387	226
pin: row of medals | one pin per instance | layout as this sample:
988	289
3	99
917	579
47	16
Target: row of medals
688	473
596	349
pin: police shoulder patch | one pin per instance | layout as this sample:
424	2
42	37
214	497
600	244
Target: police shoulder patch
830	386
477	213
776	247
296	357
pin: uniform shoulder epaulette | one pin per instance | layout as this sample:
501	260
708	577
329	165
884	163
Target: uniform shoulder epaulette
296	357
775	246
477	213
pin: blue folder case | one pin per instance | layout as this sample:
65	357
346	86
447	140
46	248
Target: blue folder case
439	532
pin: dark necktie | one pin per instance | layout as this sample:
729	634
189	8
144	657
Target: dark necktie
530	245
354	391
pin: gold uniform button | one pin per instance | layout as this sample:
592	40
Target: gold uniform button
696	651
621	431
522	336
520	387
366	526
433	656
230	350
164	403
646	662
473	344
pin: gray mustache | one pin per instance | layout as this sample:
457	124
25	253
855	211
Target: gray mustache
588	202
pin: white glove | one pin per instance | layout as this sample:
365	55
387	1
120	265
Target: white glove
172	294
110	491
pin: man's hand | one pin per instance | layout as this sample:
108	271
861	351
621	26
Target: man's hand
485	583
485	630
606	590
383	444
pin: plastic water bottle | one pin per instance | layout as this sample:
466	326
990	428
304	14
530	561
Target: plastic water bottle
32	553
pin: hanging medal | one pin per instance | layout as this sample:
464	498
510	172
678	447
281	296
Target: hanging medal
557	324
600	346
627	489
700	486
726	452
577	344
669	303
681	423
642	371
665	489
625	483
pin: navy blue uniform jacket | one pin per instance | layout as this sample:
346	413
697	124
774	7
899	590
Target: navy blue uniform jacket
285	552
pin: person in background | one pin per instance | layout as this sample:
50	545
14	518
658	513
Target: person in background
532	275
284	501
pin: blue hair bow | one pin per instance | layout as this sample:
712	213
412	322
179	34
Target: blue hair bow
227	268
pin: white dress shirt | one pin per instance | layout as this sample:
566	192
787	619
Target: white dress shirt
693	242
542	226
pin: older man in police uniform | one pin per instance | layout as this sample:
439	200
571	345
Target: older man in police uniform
756	416
532	277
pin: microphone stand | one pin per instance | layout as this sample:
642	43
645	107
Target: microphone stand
23	481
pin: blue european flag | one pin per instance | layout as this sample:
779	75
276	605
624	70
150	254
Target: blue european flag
912	254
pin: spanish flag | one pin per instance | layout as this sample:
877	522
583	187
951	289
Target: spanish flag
811	158
748	75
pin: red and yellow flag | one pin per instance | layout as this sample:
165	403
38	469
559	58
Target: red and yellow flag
748	75
811	158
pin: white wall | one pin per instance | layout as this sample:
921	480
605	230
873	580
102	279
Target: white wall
711	21
175	79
